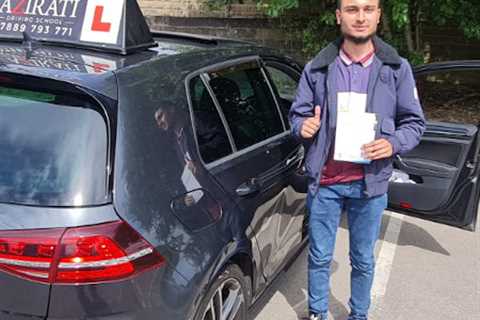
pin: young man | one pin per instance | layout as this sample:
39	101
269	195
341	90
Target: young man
362	67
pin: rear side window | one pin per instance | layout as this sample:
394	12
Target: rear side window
211	134
247	103
285	84
53	149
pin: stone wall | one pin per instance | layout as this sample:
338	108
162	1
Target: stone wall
238	21
171	8
197	8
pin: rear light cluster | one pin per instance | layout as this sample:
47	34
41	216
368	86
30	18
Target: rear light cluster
100	253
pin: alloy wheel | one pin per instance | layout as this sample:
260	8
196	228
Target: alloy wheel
225	302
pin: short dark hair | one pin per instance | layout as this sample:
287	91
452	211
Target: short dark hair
339	3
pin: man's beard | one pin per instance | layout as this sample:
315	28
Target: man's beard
359	40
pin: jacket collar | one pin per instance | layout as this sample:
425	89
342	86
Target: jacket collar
383	51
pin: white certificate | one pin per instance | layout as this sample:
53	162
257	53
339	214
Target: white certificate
352	102
354	129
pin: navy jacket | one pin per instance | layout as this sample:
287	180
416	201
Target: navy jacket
392	95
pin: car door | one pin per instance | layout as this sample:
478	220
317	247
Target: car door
284	77
256	172
438	180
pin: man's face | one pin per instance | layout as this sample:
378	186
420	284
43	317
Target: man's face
358	19
162	119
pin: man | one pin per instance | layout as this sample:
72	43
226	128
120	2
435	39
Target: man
360	66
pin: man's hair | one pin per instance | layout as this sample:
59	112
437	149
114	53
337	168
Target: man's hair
339	3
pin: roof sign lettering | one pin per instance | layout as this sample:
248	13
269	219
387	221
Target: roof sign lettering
106	25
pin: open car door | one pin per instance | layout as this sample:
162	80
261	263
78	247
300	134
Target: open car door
438	180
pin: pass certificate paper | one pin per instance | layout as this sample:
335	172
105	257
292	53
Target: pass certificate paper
354	129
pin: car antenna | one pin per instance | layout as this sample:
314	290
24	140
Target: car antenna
30	44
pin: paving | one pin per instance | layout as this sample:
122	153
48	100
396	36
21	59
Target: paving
425	271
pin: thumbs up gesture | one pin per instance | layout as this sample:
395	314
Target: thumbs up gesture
311	125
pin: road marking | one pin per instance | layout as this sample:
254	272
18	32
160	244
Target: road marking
385	256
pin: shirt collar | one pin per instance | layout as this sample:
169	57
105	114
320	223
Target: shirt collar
365	61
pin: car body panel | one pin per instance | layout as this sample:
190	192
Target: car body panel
151	295
22	298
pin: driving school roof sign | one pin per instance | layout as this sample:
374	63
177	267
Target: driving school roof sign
107	25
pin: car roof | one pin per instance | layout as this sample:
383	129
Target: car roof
447	65
96	70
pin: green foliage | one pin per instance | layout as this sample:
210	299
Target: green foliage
275	8
468	14
399	10
415	58
318	33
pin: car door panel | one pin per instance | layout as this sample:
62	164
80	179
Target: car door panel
288	231
438	169
275	210
426	168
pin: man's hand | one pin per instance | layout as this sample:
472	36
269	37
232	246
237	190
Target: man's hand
311	125
378	149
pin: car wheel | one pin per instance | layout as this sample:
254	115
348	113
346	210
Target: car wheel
227	298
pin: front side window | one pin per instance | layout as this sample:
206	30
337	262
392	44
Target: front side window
450	95
53	149
211	134
247	103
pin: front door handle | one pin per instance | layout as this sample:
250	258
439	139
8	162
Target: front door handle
292	159
248	188
298	156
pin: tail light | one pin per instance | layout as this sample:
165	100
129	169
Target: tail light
100	253
406	205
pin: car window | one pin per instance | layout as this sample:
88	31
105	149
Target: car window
450	96
247	103
211	134
285	86
53	149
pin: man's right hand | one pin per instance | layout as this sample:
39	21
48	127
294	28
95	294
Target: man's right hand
311	125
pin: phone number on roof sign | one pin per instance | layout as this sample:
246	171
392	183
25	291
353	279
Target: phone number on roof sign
36	29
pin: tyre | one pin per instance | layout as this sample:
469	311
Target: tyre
227	298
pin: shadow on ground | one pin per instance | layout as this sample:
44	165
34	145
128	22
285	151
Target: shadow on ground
410	235
295	291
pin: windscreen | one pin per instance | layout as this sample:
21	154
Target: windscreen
53	149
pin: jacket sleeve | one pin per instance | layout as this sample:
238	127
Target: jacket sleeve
409	120
302	106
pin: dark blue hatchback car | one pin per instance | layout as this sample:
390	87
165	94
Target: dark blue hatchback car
149	179
153	175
